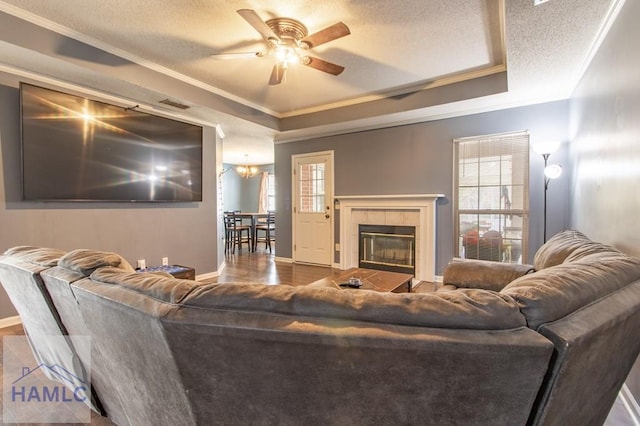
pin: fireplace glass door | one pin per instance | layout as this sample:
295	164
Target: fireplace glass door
388	248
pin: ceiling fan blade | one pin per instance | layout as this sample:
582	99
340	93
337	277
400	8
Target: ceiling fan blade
237	55
322	65
258	24
328	34
277	74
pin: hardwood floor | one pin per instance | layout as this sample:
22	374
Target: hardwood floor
261	267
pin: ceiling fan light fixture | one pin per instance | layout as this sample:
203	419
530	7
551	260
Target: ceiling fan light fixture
287	55
289	40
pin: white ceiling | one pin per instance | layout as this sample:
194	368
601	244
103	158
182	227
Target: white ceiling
406	61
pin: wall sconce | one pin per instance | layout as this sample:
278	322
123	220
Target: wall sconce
551	171
247	171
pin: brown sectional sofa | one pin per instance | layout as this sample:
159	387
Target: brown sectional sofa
169	351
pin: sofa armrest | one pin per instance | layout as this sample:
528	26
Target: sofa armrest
483	274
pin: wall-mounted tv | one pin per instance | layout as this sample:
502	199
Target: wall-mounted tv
78	149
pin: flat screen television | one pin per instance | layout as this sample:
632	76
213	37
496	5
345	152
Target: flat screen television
78	149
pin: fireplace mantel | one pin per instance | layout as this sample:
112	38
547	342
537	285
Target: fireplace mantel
417	210
400	199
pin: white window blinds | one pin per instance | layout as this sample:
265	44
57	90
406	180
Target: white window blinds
491	197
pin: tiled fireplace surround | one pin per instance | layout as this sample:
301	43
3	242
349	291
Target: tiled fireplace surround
417	210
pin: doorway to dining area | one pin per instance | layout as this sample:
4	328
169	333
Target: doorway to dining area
251	196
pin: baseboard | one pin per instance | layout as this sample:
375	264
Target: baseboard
283	259
208	275
630	404
437	278
10	321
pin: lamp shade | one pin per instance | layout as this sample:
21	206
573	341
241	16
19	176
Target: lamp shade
547	147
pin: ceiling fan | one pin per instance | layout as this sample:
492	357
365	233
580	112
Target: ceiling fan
289	41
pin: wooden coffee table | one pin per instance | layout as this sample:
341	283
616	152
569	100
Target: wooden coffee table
372	279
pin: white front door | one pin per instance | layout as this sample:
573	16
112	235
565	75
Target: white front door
313	208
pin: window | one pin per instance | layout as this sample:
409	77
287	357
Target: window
312	188
271	193
491	197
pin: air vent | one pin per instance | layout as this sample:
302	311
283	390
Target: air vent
174	104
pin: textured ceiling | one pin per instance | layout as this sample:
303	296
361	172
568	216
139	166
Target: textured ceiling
405	61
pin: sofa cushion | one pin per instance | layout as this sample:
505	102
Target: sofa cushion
482	274
469	309
465	309
86	261
40	256
592	252
159	285
555	292
558	248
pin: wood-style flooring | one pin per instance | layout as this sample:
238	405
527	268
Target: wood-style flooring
261	267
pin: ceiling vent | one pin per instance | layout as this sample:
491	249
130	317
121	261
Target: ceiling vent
174	104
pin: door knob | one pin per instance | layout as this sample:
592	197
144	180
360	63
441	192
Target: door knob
326	216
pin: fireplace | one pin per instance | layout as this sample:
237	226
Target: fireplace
387	248
415	210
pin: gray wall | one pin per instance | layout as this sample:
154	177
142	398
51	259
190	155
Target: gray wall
605	146
185	232
418	158
242	193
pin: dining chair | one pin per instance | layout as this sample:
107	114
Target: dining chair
269	228
233	231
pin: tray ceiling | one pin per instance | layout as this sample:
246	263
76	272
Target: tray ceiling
404	61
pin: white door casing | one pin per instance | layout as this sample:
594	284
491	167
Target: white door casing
313	208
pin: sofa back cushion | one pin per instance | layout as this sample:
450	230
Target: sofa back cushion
46	257
469	308
558	248
466	309
159	285
568	246
85	261
555	292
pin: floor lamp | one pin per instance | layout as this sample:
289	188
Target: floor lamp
551	171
